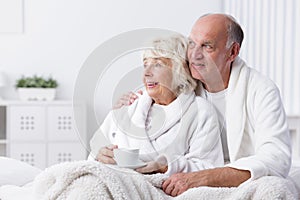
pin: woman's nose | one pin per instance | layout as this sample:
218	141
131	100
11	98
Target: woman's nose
148	71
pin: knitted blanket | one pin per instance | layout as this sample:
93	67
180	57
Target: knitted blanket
92	180
265	188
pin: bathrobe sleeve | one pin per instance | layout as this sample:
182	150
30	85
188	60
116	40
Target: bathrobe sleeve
102	137
270	136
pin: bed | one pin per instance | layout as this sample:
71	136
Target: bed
93	180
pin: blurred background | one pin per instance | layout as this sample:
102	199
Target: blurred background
54	37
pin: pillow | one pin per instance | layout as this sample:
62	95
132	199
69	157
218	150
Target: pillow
14	172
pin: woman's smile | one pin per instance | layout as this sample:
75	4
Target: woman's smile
151	85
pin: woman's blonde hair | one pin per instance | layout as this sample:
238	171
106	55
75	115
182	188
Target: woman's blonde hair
174	48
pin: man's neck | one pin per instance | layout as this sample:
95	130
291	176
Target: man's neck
217	85
213	88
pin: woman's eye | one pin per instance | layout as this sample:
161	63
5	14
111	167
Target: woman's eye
191	44
158	65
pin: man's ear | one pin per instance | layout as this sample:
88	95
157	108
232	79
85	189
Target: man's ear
234	51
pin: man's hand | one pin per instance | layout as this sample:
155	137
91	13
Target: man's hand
126	99
218	177
153	167
106	154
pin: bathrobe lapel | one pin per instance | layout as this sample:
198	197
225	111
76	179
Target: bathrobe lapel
236	106
131	119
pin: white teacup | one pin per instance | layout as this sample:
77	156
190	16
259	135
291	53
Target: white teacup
126	157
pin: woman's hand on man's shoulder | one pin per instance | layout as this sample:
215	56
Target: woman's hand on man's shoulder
127	99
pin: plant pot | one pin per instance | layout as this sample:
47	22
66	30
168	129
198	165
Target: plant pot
37	94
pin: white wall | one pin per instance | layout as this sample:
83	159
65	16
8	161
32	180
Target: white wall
272	38
59	35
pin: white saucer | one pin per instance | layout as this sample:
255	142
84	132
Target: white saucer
134	166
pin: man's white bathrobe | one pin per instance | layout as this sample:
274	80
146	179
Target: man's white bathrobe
257	132
184	134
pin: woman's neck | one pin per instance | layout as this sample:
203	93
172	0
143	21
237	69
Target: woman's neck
165	99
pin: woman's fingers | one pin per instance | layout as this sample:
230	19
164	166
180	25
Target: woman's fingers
106	154
112	147
106	160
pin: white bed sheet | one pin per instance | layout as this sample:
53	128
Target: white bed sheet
14	172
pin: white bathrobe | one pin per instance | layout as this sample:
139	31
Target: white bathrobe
257	132
184	134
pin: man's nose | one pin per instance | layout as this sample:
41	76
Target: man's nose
196	53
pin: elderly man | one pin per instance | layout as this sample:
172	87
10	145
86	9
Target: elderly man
252	119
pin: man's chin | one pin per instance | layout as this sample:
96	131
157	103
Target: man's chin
196	75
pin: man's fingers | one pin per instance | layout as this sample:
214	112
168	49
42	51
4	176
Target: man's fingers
123	101
132	97
140	92
126	99
166	184
175	191
169	189
180	191
175	185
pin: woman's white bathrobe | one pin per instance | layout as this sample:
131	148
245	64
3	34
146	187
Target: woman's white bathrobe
184	134
257	132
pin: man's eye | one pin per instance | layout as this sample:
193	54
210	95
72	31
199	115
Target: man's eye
208	47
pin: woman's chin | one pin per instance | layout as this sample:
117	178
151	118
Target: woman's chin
152	93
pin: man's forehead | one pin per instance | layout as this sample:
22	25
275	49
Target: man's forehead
203	36
205	30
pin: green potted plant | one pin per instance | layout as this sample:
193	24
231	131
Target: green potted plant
36	88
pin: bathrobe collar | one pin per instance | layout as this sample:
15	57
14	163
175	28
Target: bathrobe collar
235	105
132	119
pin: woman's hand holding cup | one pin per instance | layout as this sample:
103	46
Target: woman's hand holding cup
106	154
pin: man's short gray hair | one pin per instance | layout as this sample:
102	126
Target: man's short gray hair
174	48
234	31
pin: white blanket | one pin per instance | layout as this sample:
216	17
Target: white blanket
265	188
92	180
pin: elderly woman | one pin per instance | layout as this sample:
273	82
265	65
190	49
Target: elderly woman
174	130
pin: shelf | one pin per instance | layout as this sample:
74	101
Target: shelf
41	133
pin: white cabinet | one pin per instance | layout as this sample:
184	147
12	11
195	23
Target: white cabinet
61	152
61	123
42	133
31	153
26	122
